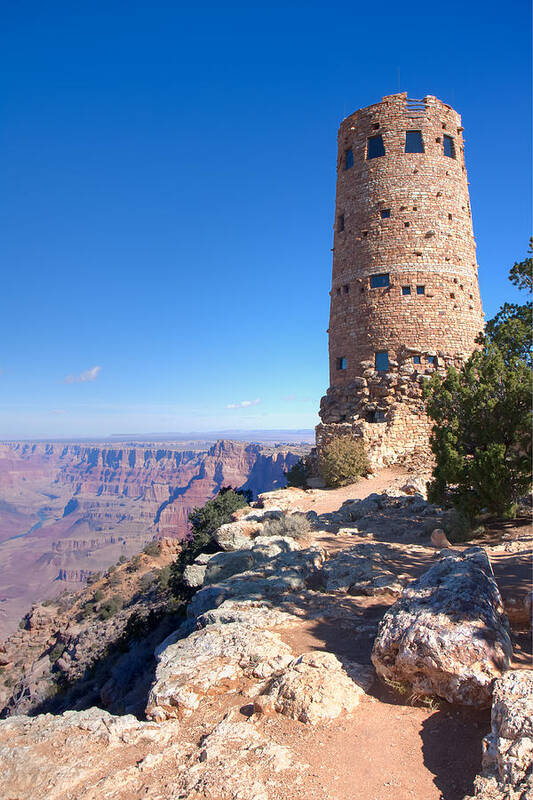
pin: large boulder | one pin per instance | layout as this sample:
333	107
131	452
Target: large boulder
315	687
213	660
507	769
448	634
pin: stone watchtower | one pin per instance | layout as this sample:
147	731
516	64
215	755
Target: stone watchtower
405	295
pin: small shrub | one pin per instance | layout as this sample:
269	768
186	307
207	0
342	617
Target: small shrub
134	564
342	460
98	595
297	475
94	578
56	652
115	580
163	577
147	581
110	607
152	549
122	560
295	525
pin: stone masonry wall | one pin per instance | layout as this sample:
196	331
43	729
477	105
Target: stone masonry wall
424	243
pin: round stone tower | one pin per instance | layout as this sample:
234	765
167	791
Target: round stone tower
405	295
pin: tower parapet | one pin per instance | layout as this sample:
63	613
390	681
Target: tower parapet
405	296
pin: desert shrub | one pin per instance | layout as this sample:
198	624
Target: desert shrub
122	559
147	581
481	438
93	578
204	522
297	475
115	580
87	611
110	607
98	595
295	525
152	549
163	577
342	460
56	652
134	564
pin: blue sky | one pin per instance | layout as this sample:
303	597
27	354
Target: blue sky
168	195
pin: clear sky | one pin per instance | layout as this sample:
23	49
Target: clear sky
168	184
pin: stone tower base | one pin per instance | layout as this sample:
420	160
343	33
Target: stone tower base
386	410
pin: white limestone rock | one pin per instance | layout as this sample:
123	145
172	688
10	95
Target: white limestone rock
448	634
315	687
507	767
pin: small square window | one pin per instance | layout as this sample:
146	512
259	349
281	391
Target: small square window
348	158
377	281
382	361
414	142
417	360
346	288
385	214
341	362
450	217
406	224
377	416
449	146
375	147
340	223
376	126
431	359
406	290
420	289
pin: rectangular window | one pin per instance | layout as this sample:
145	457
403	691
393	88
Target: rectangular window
385	214
377	416
375	147
432	359
449	146
420	289
382	361
348	158
417	360
340	223
342	363
346	288
376	281
414	142
406	290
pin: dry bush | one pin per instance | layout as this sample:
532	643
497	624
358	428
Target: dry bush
342	460
296	525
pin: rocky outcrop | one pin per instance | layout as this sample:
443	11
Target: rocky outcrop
448	634
315	687
370	569
507	770
100	755
212	660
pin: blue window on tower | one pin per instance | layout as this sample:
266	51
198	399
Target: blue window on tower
376	281
449	146
385	214
414	142
420	289
382	361
432	360
375	147
342	363
417	360
406	290
348	158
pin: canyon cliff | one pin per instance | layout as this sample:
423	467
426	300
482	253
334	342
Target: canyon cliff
69	510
